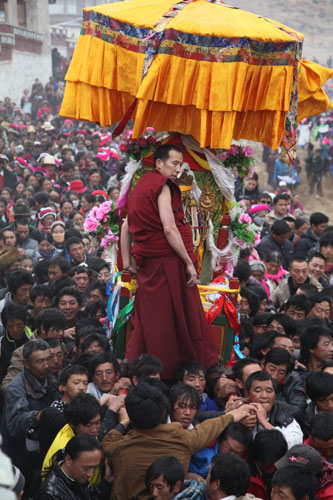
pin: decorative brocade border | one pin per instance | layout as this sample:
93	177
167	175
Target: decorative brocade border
190	46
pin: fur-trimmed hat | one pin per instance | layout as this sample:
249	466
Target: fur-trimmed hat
8	256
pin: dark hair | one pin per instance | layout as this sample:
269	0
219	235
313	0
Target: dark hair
53	342
45	237
162	153
184	393
167	467
299	222
262	343
68	165
326	239
253	300
299	302
280	227
145	366
279	356
318	298
81	442
40	291
101	359
316	255
32	346
40	271
261	319
242	271
61	262
191	367
17	278
96	337
268	446
318	218
78	270
239	432
259	376
50	318
232	472
285	321
282	196
14	311
97	285
308	289
322	425
70	370
319	385
68	291
316	329
299	478
81	409
41	197
92	308
274	256
246	330
71	241
146	406
89	197
61	283
239	366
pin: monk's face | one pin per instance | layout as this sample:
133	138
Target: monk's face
172	166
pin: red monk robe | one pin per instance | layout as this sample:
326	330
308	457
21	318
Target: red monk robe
168	319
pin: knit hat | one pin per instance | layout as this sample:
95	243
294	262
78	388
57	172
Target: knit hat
58	223
257	265
78	186
46	211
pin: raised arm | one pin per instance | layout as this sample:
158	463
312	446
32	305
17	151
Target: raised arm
172	234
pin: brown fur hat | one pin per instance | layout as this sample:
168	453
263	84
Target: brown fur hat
8	256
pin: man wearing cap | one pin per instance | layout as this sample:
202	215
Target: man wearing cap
7	178
49	163
22	211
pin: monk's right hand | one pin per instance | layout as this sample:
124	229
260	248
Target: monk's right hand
191	274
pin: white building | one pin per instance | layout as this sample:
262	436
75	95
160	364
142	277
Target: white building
25	46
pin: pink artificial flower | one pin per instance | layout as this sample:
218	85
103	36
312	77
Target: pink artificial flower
248	228
251	168
142	142
223	156
248	151
100	215
91	225
106	207
234	150
244	218
92	213
123	148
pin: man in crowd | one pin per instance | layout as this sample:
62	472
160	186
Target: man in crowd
318	224
277	240
299	275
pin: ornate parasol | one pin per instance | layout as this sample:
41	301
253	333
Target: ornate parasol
198	67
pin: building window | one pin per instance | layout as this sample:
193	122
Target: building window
21	13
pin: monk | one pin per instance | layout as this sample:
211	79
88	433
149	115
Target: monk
168	319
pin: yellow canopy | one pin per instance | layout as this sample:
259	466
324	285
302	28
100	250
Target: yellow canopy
195	67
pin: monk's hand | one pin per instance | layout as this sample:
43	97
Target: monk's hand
191	274
131	269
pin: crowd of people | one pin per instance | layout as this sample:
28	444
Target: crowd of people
78	423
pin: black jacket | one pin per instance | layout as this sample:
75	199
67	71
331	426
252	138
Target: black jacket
307	241
292	393
268	244
58	486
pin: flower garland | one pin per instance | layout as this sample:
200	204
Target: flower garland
238	157
104	222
